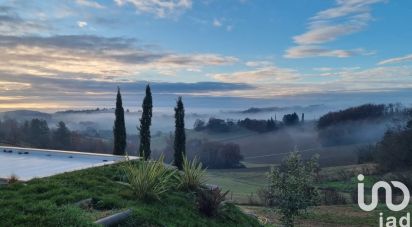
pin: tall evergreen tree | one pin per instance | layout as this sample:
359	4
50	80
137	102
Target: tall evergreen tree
180	135
119	128
61	137
145	122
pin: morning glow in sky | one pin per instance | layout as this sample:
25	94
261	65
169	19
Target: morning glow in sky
60	54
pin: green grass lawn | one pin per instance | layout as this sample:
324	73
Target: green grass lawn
52	202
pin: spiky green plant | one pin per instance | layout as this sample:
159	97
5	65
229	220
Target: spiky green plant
149	179
193	176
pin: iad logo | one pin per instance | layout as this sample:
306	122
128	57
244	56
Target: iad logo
390	221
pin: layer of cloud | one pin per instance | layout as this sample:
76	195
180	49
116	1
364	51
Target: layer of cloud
24	91
89	3
160	8
319	51
347	17
265	74
396	60
94	57
12	24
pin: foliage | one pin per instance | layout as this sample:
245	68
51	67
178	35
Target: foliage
366	154
149	179
213	155
199	125
360	124
260	126
222	126
292	187
366	111
394	151
37	134
180	135
290	119
145	123
331	196
119	128
62	136
209	201
192	176
12	179
220	155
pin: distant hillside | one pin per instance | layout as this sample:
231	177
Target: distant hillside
25	115
255	110
90	111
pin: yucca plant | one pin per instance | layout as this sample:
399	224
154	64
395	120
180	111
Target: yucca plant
149	179
209	201
193	176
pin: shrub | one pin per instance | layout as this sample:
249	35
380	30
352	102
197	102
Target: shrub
394	151
332	197
366	154
292	187
149	179
354	195
192	176
12	179
266	197
209	201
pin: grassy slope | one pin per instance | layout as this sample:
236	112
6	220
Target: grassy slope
51	202
244	183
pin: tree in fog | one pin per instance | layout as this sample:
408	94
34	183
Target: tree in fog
39	134
119	128
290	119
62	136
292	187
180	135
145	122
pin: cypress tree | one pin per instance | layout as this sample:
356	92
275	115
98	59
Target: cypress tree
119	128
145	122
180	136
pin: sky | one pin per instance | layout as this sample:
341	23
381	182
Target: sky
72	54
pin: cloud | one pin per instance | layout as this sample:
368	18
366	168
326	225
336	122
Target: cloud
81	56
266	74
91	4
81	24
258	63
12	24
347	17
217	23
160	8
396	60
319	51
23	91
273	81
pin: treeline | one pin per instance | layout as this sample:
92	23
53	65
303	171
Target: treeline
393	152
36	133
261	126
212	154
358	124
367	111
